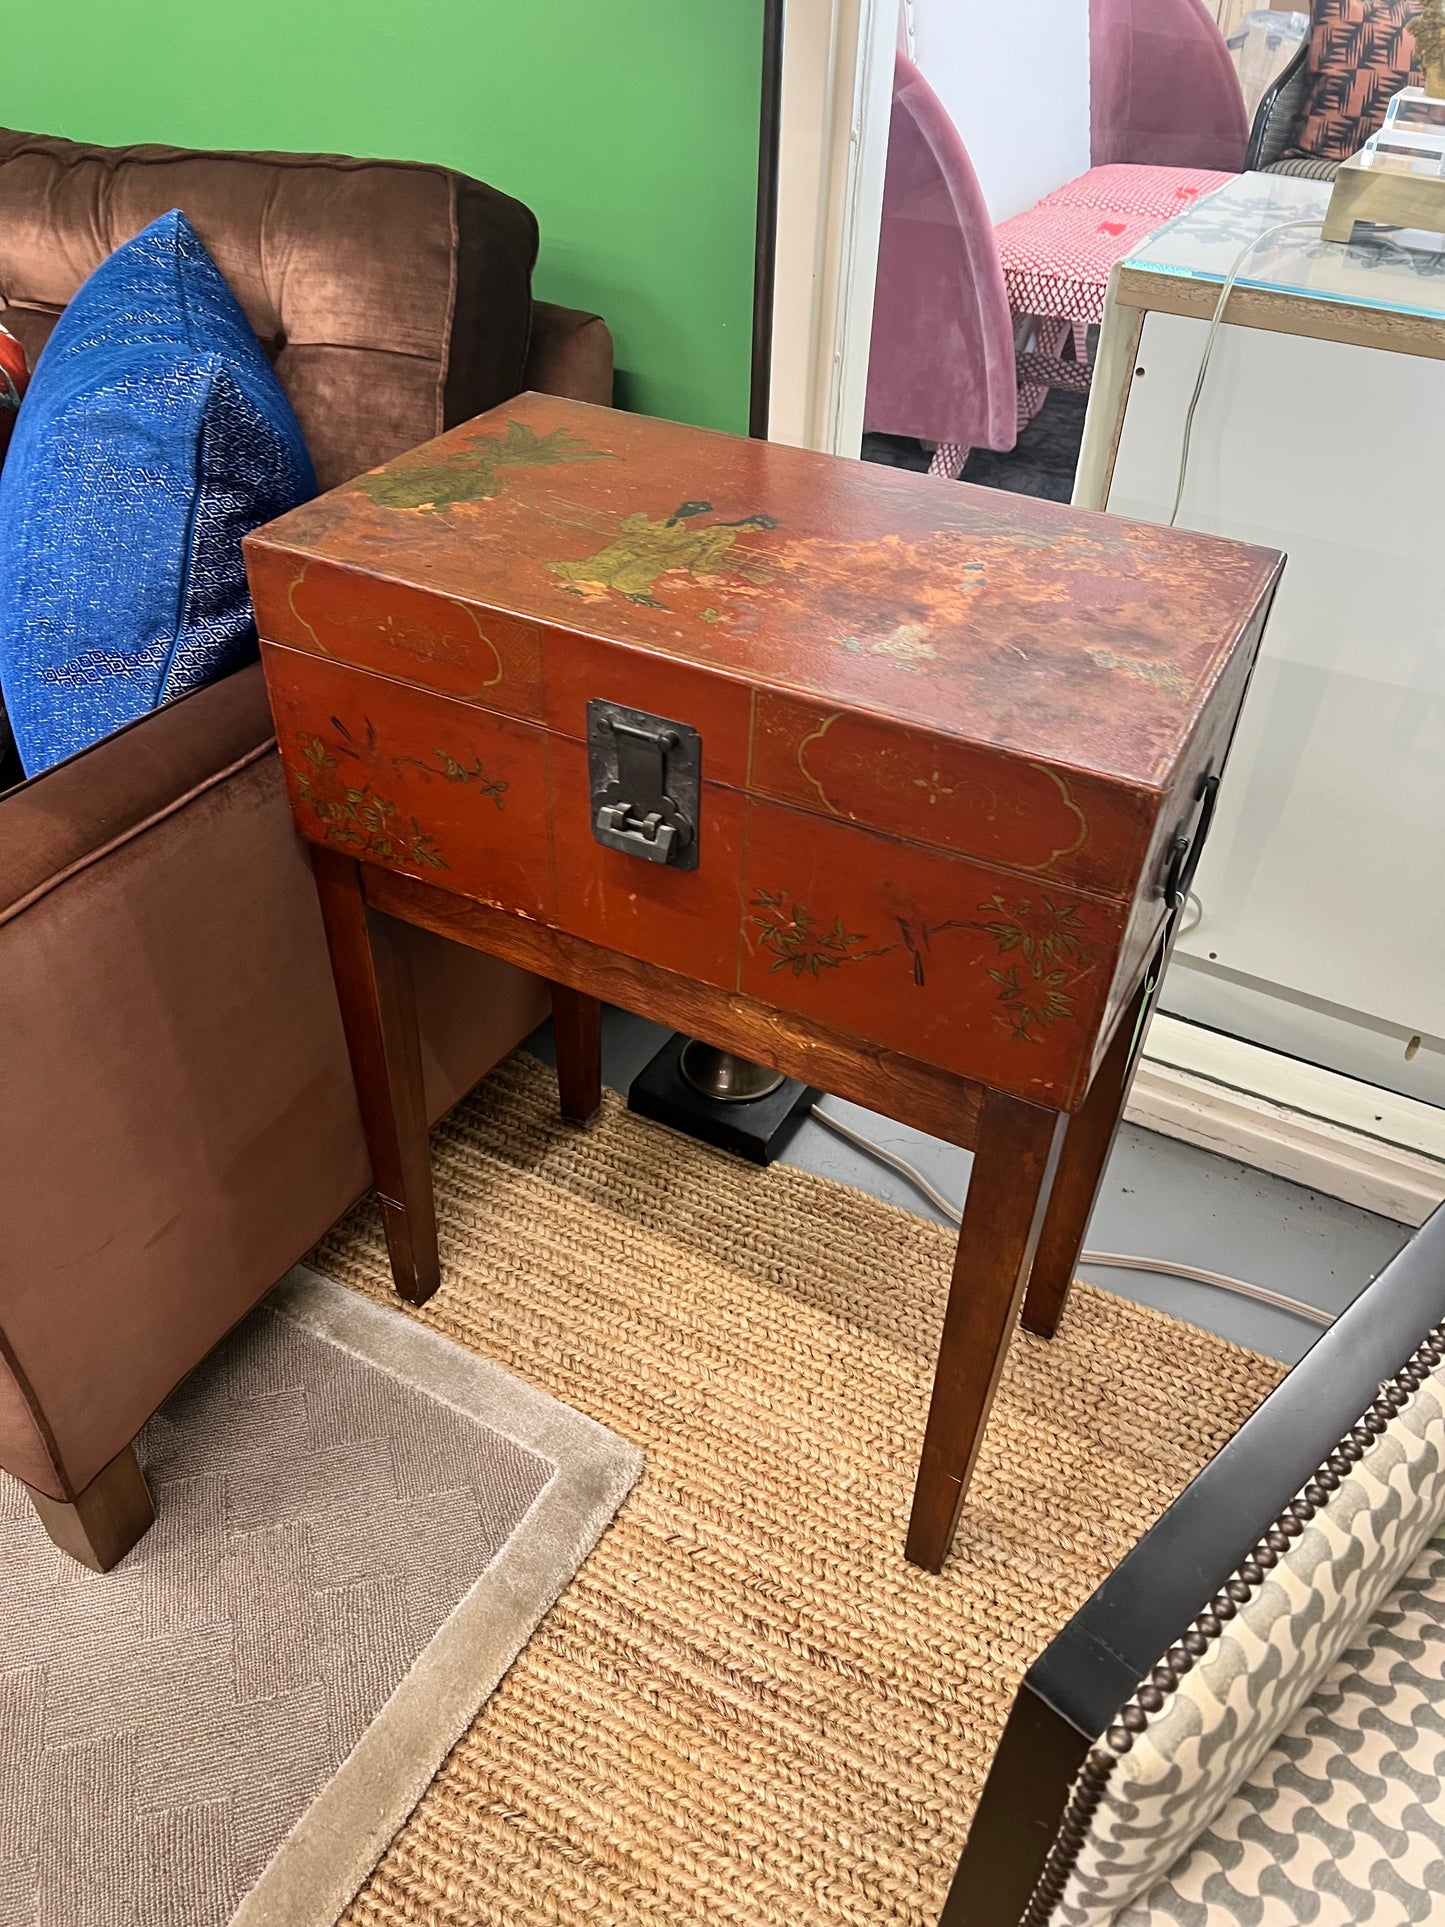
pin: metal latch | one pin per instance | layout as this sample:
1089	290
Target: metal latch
645	781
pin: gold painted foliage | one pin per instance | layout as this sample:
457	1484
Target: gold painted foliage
799	942
451	770
1033	989
474	474
1049	939
354	817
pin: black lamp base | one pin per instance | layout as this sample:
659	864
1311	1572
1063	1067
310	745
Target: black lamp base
757	1129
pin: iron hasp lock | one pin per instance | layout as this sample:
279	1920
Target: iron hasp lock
644	776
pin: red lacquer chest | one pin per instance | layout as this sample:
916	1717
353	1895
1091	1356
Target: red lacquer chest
903	756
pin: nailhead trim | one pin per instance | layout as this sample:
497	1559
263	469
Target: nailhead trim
1073	1831
1181	1658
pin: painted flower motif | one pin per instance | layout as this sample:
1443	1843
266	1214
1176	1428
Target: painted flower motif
356	816
451	770
934	785
369	825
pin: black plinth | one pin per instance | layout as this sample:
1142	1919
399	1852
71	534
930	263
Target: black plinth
757	1130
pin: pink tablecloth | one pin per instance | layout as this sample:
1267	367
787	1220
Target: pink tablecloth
1057	255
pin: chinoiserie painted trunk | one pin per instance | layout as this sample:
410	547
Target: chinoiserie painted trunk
948	737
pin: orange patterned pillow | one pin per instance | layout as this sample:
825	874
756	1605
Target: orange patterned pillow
1361	52
13	376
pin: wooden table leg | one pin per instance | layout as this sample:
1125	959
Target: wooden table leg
378	1010
1087	1145
577	1039
1015	1156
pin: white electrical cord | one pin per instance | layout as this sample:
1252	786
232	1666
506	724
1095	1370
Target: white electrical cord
1224	293
1117	1261
910	1171
1110	1260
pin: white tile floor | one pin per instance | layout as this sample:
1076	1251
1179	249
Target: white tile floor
1160	1199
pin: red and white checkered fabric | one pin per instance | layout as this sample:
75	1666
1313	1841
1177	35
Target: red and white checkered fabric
1129	189
1057	255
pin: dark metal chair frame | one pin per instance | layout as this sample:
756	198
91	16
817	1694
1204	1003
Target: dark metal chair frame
1279	113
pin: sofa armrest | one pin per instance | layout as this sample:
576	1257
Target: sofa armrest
570	354
179	1123
73	813
1073	1693
1194	1547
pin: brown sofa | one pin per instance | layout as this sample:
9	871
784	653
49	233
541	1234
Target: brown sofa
177	1119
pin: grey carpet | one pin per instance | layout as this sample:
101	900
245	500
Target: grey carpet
320	1515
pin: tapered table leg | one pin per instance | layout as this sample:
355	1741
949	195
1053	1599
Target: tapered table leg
378	1010
1087	1145
1014	1160
577	1036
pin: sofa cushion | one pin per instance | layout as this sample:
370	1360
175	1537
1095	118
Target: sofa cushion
73	815
393	298
154	437
1341	1822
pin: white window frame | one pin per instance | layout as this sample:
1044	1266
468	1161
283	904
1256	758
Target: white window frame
837	91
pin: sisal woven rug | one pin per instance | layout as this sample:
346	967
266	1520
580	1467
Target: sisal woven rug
748	1707
357	1525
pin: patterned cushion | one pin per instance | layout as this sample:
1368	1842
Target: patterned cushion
12	385
1305	170
1175	1756
153	437
1361	52
1342	1823
13	377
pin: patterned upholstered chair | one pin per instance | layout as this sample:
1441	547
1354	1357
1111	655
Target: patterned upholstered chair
1324	102
1246	1723
1277	122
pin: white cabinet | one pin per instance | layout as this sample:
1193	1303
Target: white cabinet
1320	431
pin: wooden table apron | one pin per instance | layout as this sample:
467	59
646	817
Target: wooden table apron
943	750
1035	1174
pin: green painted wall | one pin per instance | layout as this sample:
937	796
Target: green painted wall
630	126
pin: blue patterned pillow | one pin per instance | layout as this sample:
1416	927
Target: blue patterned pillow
153	437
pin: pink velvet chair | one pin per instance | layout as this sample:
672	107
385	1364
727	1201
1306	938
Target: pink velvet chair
955	295
1167	124
1163	89
942	362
